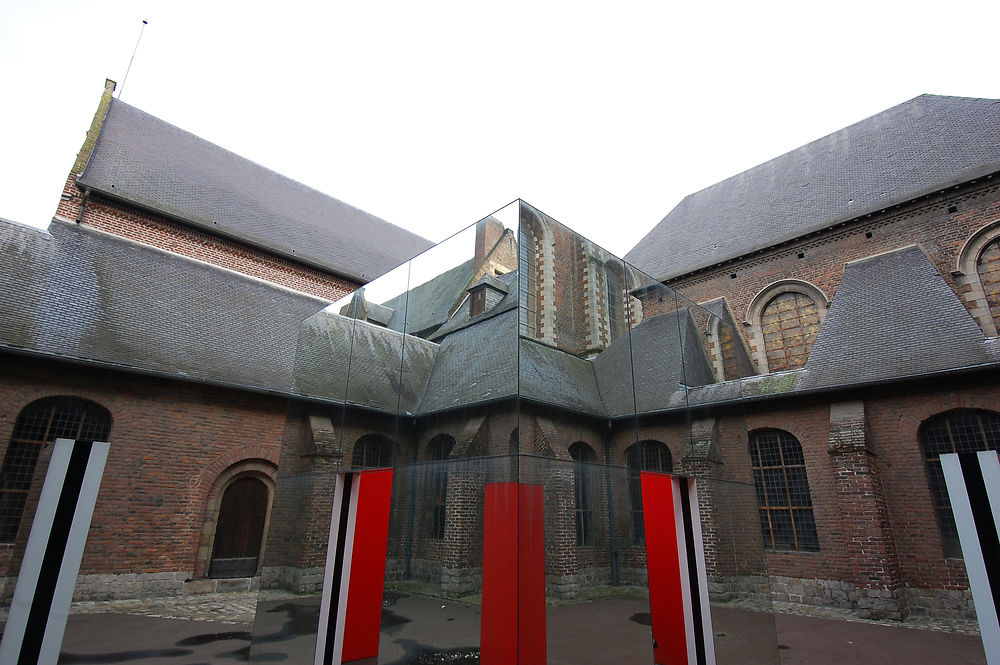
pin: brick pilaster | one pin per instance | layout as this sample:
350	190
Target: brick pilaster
869	545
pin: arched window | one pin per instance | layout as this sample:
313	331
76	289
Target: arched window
643	456
372	451
988	268
782	488
527	282
36	426
616	302
789	323
437	483
963	431
583	491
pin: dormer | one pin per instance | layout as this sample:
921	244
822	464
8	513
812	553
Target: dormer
485	294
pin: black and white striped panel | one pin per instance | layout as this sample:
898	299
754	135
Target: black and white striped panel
973	481
34	631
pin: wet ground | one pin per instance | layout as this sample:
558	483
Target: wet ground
426	631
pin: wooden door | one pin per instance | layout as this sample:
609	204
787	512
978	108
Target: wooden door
240	529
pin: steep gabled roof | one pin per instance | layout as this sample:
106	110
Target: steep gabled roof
916	148
147	162
84	295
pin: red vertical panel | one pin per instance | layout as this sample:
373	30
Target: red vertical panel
666	595
530	576
499	618
364	595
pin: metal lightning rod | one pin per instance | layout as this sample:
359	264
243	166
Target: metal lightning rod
144	24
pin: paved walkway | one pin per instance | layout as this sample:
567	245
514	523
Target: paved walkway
215	629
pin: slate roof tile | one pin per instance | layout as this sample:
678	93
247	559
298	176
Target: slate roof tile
78	293
147	162
893	316
918	147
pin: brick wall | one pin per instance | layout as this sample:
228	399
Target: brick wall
170	443
163	233
820	259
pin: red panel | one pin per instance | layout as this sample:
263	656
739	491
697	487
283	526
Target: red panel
666	596
364	595
499	617
530	576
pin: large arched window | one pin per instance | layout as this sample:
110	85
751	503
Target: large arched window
789	324
527	282
583	491
782	488
962	431
643	456
616	301
37	425
988	268
372	451
437	484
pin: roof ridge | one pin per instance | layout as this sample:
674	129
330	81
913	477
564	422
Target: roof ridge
842	130
299	183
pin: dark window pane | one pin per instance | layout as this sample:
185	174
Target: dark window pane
781	486
805	530
37	425
774	482
963	431
784	536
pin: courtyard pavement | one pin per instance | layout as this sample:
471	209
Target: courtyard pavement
215	630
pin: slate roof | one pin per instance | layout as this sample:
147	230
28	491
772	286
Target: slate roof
76	293
461	319
426	305
350	361
916	148
893	316
649	360
487	361
147	162
473	365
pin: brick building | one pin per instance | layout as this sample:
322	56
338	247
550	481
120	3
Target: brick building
845	336
160	312
862	271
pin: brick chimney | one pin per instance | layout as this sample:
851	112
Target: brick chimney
488	234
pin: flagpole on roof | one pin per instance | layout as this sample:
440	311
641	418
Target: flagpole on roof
144	24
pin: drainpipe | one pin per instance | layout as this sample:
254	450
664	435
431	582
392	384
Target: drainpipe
408	557
83	204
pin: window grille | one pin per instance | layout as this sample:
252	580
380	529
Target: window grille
36	426
643	456
583	492
782	488
963	431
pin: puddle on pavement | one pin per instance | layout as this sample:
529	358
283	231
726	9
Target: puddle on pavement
207	638
421	654
642	618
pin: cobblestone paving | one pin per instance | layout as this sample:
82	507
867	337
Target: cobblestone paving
953	626
239	608
232	607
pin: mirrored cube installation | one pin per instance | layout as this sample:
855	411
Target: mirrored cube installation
517	379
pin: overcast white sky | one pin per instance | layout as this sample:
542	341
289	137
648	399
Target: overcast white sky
433	114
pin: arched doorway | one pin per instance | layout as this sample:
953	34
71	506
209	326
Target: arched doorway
239	531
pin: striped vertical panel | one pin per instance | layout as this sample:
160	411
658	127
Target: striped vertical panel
351	603
675	564
38	612
973	481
